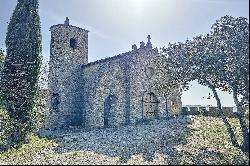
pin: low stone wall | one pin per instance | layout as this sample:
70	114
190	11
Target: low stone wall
208	111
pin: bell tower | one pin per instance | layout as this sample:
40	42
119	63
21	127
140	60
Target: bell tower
68	50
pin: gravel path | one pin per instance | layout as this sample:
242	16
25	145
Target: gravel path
146	140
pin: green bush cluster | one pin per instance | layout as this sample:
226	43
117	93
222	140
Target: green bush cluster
39	112
6	126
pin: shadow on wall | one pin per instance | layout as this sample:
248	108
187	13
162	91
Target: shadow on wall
147	139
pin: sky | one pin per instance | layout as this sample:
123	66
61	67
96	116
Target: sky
115	25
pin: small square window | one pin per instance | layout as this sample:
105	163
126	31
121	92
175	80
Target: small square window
73	43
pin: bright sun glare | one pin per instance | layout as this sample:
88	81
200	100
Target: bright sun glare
139	5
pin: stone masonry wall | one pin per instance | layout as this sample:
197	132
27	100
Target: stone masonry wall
209	111
106	93
127	78
100	81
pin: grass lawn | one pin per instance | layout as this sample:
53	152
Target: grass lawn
206	143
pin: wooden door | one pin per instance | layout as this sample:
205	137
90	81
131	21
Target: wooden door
150	106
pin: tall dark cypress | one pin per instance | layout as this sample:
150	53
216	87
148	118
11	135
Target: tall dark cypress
22	65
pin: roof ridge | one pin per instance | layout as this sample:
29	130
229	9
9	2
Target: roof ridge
119	56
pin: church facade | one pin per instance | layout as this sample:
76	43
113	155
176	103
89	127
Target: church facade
111	92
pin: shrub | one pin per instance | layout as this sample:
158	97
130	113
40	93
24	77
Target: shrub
6	126
40	110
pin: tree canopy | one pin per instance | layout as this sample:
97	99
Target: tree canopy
218	60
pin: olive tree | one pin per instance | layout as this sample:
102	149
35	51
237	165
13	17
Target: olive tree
230	41
219	60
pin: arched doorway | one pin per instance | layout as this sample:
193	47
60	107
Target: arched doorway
150	106
55	101
110	111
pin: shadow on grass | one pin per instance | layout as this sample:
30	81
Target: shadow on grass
147	139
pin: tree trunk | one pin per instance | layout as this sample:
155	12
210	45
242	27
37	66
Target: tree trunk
245	132
243	124
18	135
227	124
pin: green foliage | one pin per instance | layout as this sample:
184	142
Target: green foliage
40	110
26	151
11	131
6	126
230	44
22	65
218	60
2	57
247	114
39	113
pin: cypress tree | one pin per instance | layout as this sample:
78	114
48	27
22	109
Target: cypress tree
21	66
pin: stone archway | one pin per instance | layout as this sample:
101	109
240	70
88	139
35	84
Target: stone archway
110	111
150	106
55	101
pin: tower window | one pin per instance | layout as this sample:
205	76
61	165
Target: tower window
73	43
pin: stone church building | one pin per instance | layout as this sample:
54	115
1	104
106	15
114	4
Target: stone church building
110	92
